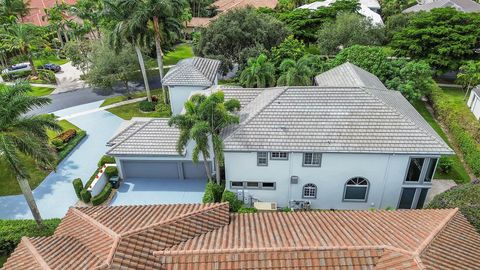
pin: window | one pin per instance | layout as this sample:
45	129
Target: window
421	198
356	189
268	185
412	198
252	185
431	169
414	169
309	191
312	159
236	184
279	155
262	159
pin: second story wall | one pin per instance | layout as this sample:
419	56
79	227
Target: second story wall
179	95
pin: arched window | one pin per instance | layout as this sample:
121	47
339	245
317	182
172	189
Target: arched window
356	189
309	191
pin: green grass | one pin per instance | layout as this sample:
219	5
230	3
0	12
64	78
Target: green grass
39	91
52	59
181	51
458	172
65	125
129	111
137	94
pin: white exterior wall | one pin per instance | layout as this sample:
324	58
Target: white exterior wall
474	104
384	172
179	95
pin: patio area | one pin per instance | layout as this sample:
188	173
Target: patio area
136	191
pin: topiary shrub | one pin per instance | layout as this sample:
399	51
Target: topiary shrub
231	198
465	197
106	159
102	196
245	210
77	186
111	171
146	106
213	193
85	195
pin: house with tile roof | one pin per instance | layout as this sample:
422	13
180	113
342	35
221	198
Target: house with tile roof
460	5
474	101
346	143
205	237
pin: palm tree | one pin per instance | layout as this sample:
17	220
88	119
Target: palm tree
258	73
24	38
24	135
296	73
16	8
193	128
127	29
164	16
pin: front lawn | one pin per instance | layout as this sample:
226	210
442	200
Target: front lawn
39	91
458	172
131	110
181	51
136	94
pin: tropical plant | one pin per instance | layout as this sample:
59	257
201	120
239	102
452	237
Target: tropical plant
469	75
22	135
90	11
290	48
296	73
258	73
13	8
57	20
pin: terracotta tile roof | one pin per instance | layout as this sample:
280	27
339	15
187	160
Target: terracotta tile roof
208	237
199	22
37	10
225	5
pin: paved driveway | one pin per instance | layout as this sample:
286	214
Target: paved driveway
153	191
55	194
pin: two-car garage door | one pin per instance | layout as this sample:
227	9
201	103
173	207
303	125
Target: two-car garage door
163	169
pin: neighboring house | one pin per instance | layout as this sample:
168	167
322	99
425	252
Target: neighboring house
348	143
474	102
460	5
368	8
201	237
37	10
187	76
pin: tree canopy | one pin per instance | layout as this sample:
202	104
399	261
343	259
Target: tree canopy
258	73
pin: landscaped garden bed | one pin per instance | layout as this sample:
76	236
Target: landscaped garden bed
66	141
138	109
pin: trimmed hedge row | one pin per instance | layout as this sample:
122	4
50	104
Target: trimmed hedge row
106	159
464	128
102	196
11	231
70	145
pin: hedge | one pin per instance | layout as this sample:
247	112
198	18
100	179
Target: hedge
213	193
11	231
85	195
89	182
70	145
463	128
106	159
67	135
111	171
466	197
102	196
77	186
231	198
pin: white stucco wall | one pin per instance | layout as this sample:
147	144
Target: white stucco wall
385	173
179	95
474	104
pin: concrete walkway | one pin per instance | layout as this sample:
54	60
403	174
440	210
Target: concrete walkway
75	114
55	194
439	186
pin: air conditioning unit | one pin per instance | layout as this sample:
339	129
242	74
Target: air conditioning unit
265	206
299	205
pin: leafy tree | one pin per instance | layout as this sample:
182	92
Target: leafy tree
413	79
396	23
233	33
258	73
296	73
394	7
24	38
13	8
290	48
348	29
78	52
90	11
109	67
57	20
206	118
24	135
469	75
443	37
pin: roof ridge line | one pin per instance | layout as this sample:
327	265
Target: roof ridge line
128	137
196	68
424	245
138	230
95	223
125	129
404	116
285	88
31	248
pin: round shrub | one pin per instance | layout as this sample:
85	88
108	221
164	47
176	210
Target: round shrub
77	186
213	193
106	159
85	195
231	198
111	171
146	106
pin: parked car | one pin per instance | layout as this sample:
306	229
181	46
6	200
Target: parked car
53	67
17	68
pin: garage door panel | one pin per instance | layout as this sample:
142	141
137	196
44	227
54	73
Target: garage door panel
194	171
151	169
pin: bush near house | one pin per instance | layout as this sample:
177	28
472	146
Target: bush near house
85	195
102	196
106	159
465	197
11	231
77	186
111	172
245	210
146	106
89	182
234	203
213	192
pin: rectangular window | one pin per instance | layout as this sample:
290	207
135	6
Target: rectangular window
415	169
252	185
406	201
431	169
236	184
421	198
279	155
355	193
312	159
262	159
268	185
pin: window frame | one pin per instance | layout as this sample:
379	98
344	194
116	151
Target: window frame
416	195
311	185
259	185
236	187
278	158
258	159
423	172
367	191
312	164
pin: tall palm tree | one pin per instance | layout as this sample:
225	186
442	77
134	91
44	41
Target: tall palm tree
24	135
258	73
193	128
296	73
165	18
126	29
24	38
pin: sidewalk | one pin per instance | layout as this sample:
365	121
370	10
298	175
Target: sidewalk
77	114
